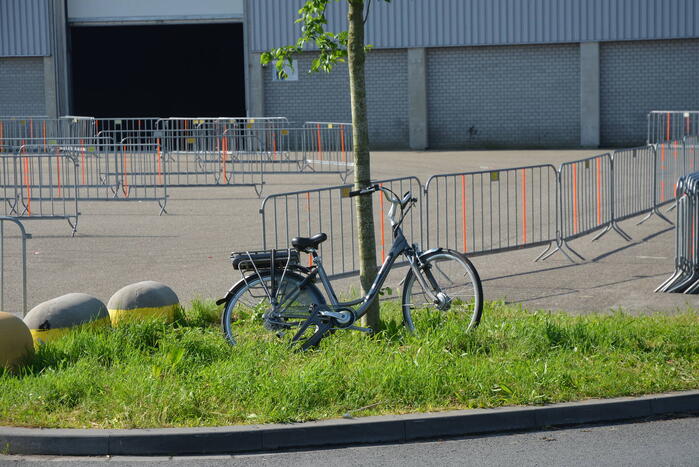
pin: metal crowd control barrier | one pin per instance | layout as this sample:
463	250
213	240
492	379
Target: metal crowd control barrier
691	153
132	170
308	212
671	165
586	201
17	131
493	210
671	125
22	261
137	129
635	184
233	158
328	147
138	173
269	129
686	276
40	183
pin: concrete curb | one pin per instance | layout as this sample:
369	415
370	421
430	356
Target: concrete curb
382	429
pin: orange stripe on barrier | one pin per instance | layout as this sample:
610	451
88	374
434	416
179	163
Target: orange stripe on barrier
524	205
58	170
662	190
575	198
667	131
342	143
274	145
82	161
463	211
320	145
31	129
599	192
383	246
225	159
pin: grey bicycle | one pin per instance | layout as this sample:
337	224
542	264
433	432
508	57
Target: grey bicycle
277	288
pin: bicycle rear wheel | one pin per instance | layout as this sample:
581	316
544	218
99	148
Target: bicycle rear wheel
250	301
451	274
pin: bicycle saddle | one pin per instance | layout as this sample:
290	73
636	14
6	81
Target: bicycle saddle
306	243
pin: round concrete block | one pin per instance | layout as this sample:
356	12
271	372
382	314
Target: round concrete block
52	319
16	344
147	299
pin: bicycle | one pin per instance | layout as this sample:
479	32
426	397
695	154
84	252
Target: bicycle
275	285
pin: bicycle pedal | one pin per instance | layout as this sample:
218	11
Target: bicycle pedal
360	329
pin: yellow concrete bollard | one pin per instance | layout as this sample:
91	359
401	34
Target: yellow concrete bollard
54	318
16	344
143	300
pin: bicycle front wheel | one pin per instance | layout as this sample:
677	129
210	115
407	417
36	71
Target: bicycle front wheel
454	286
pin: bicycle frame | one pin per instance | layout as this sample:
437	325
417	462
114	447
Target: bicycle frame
399	247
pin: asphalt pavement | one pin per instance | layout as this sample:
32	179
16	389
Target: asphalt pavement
666	442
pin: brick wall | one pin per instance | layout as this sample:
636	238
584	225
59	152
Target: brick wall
22	87
505	96
325	97
637	77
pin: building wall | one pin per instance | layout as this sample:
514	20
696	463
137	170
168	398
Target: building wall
22	91
504	96
446	23
640	76
325	97
25	28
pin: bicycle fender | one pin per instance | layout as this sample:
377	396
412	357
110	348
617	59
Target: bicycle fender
230	292
433	250
242	282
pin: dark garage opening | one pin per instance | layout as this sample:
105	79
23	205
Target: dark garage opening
158	71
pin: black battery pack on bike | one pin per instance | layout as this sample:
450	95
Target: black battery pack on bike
262	259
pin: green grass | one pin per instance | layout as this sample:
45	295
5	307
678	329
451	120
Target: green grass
153	375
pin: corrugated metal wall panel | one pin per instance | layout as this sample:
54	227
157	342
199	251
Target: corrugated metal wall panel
444	23
24	28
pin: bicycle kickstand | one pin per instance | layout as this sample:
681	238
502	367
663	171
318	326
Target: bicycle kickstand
314	319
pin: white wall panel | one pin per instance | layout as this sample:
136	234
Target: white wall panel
100	11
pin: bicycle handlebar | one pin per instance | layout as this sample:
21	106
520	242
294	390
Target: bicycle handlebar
364	191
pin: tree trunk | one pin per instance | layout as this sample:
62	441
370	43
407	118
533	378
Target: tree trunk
362	169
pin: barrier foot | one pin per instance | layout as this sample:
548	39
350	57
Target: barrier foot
258	190
617	229
162	208
560	246
74	227
692	288
671	208
657	213
544	252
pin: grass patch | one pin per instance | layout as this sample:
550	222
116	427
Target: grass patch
155	375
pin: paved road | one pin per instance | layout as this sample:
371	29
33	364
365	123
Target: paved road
654	443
